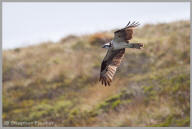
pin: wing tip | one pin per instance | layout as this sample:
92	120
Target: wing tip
129	25
132	25
105	81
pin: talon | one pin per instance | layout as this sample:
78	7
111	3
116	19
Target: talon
142	45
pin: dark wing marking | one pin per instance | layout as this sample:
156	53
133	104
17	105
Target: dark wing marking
110	64
125	34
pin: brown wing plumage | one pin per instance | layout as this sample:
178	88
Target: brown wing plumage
110	64
125	34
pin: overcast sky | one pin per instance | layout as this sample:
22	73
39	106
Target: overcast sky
31	23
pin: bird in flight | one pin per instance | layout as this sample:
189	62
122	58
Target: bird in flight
116	51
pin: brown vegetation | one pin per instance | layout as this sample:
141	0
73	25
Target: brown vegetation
58	82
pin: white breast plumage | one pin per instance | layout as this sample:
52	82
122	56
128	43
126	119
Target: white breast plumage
118	45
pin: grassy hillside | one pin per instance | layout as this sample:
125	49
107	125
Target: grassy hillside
58	82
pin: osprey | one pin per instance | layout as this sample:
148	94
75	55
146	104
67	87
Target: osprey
116	51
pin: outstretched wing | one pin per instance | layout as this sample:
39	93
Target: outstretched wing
125	34
110	64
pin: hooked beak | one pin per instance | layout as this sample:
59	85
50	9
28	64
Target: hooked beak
105	45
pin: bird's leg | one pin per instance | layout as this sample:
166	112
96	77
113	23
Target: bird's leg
135	45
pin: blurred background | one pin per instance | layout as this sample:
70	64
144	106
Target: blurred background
51	64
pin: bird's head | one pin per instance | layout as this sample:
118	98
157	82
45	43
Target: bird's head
107	45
